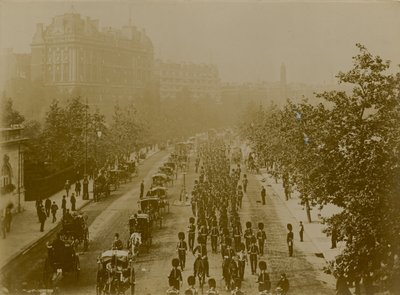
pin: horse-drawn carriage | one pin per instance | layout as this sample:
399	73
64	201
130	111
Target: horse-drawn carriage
101	187
115	274
115	176
152	206
237	155
61	260
160	179
74	228
140	233
171	164
161	193
168	171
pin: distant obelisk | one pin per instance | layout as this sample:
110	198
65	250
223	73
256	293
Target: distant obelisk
283	84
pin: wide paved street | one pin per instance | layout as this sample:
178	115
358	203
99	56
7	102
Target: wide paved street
111	216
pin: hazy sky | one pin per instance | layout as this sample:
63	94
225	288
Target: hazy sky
248	41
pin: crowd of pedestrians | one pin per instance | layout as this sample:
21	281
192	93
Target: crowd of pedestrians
216	202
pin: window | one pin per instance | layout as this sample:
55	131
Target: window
6	171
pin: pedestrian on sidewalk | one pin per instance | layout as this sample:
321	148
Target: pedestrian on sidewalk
67	187
78	188
289	239
263	194
42	218
64	205
8	219
47	206
54	209
245	181
38	206
301	232
141	189
85	195
333	238
73	202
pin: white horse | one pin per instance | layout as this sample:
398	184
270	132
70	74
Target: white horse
135	241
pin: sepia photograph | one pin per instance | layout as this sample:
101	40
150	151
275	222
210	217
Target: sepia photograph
200	147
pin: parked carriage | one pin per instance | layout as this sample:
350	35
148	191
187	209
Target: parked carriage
141	224
171	164
168	171
115	274
162	194
115	176
101	187
74	228
159	179
61	261
152	206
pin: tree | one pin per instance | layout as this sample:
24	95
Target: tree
9	116
345	151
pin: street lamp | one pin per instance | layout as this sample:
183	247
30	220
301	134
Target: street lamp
99	133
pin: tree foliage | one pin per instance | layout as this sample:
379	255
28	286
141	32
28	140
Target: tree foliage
345	151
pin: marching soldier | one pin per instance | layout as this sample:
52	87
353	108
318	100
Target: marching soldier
203	233
175	276
264	284
214	237
202	249
182	248
237	232
253	255
191	282
261	237
242	260
212	284
248	234
192	233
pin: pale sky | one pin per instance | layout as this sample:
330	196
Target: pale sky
248	41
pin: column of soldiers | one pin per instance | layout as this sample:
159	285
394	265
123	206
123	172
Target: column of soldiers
217	198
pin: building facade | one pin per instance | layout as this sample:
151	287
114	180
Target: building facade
200	80
12	168
105	65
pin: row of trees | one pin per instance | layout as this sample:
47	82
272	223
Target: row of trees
72	131
344	151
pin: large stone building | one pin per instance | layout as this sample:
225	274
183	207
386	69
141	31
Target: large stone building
104	65
12	168
200	80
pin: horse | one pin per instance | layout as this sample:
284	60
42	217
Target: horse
199	270
135	241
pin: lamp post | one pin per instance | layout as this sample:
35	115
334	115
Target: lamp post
98	133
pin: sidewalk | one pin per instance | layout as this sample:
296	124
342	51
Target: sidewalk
25	226
313	230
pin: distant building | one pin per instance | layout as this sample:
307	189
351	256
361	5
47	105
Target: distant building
13	66
200	80
105	65
12	168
